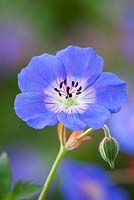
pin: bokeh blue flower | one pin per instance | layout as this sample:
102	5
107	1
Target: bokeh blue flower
17	42
81	181
69	88
27	164
122	126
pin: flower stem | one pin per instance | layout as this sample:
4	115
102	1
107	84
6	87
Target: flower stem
52	173
106	131
63	137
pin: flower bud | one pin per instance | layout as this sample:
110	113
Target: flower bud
109	150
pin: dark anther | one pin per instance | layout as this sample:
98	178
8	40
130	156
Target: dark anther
73	83
76	84
56	90
67	89
61	84
79	89
78	93
65	81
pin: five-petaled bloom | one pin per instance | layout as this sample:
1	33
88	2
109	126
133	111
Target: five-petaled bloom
69	88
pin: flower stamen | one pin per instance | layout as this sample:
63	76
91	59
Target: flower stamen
68	91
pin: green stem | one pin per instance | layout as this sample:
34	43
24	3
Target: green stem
106	131
52	173
62	142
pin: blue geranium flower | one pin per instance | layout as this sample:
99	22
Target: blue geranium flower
88	182
69	88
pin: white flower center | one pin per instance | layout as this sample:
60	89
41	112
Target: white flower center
67	103
68	95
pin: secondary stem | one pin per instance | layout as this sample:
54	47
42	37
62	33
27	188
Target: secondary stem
52	173
106	131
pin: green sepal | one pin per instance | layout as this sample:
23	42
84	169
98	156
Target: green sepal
109	149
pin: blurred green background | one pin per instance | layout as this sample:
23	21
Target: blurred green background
29	28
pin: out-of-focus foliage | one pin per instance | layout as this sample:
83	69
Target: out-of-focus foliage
20	189
54	17
5	175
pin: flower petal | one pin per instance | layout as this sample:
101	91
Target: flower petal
40	72
31	108
81	62
110	91
72	120
29	105
95	116
39	122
